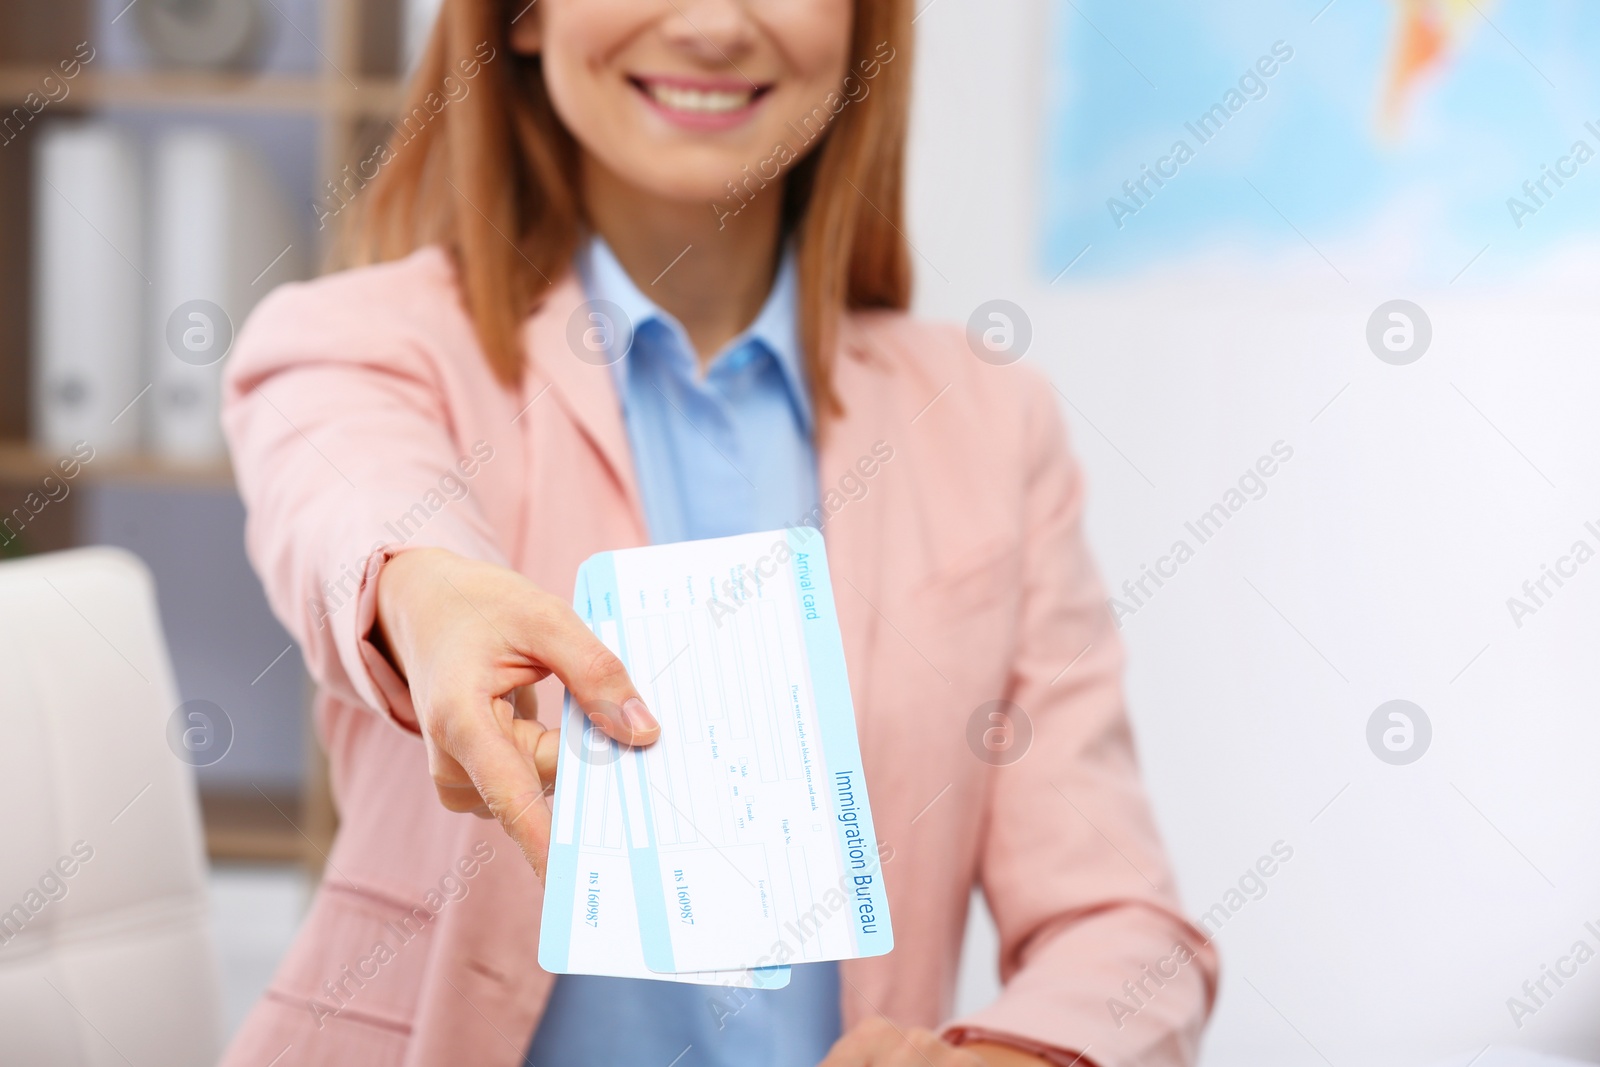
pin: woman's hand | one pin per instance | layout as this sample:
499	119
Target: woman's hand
877	1042
470	639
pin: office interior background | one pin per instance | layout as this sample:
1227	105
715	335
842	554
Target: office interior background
1330	371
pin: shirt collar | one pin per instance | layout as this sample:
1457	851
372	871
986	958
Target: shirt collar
774	328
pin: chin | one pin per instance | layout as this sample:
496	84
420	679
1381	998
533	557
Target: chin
693	177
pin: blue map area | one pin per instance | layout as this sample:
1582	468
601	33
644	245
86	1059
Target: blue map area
1262	132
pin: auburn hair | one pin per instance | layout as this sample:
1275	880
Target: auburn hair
479	163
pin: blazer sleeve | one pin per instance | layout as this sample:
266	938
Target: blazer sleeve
1096	959
341	442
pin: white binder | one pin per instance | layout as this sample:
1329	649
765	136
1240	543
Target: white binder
223	236
90	288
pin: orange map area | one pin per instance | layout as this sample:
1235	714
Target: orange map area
1429	32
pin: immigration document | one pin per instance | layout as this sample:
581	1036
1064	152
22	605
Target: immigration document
746	827
590	923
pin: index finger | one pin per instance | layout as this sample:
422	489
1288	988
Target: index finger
508	782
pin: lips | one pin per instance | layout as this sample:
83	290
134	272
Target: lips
701	103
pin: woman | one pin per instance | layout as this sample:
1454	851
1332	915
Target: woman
636	272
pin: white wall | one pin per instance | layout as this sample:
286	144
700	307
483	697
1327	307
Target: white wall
1377	566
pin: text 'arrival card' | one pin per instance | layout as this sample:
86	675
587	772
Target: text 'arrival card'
746	831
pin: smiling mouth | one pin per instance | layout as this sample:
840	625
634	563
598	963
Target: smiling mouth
692	100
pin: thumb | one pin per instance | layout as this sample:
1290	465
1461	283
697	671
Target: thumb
599	683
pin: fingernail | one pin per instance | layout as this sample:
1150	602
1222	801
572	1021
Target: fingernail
638	716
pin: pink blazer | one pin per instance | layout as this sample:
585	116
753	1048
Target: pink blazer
362	416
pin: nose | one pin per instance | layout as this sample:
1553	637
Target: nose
718	33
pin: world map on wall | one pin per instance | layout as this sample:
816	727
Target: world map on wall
1417	140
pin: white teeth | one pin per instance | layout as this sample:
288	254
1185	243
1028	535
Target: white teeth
713	102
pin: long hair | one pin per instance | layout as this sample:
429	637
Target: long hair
479	163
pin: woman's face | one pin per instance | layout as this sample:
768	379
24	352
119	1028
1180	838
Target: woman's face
677	97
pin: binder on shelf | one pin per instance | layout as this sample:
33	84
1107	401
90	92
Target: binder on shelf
223	236
90	288
417	21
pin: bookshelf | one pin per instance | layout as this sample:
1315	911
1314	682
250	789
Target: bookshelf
357	88
354	89
23	464
369	99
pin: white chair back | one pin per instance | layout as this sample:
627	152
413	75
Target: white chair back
105	953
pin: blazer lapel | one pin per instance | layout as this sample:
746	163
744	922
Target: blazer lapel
586	389
854	529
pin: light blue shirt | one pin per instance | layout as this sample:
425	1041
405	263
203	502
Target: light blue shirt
727	453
